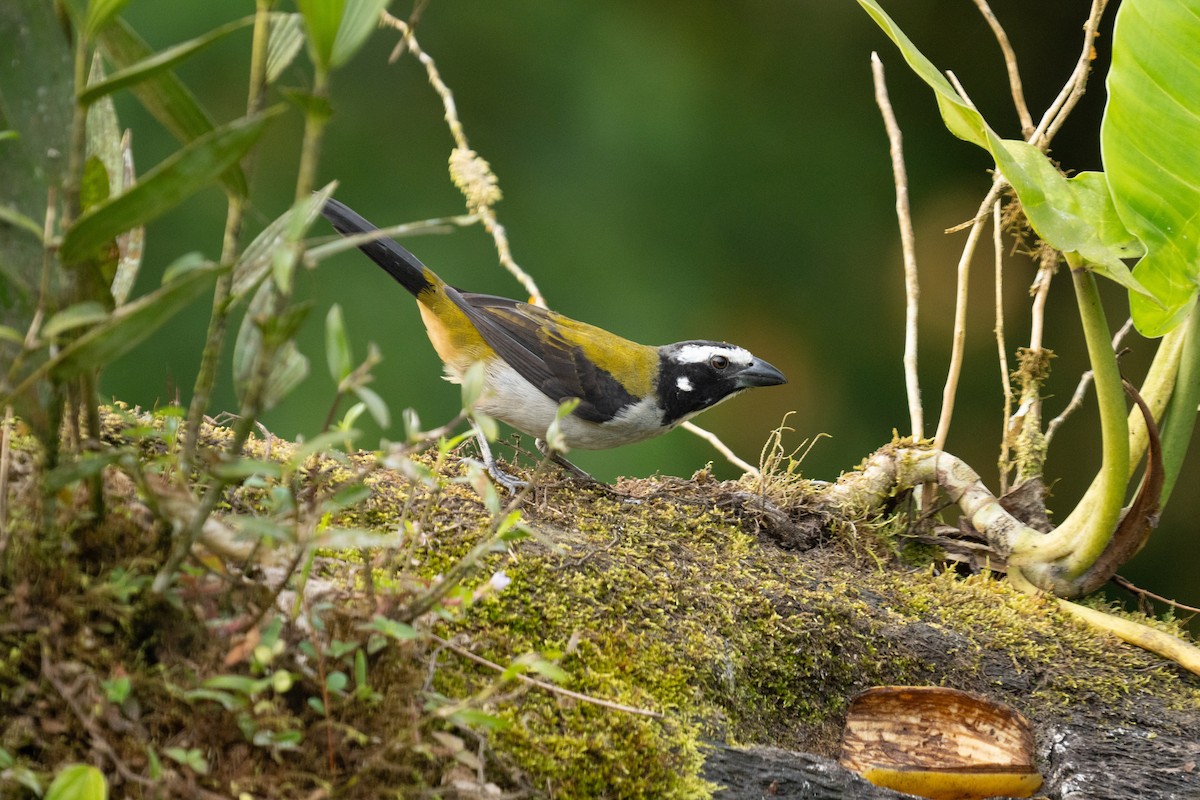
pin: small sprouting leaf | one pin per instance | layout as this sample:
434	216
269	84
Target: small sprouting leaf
117	690
400	631
359	20
474	718
316	705
191	758
88	312
337	681
183	265
472	384
160	62
337	345
286	39
15	218
375	405
164	187
78	782
81	468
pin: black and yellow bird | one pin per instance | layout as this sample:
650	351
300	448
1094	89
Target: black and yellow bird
534	359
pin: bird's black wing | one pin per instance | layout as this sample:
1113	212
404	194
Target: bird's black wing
537	344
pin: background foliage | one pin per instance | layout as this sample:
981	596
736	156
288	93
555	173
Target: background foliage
672	170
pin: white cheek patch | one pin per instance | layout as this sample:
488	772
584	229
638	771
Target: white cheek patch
683	384
701	353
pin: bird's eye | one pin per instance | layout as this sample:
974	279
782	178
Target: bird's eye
718	362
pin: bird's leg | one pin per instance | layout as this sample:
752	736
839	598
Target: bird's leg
512	484
559	459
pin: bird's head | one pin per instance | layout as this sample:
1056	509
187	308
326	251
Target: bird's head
696	375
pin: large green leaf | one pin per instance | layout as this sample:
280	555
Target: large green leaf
164	187
1074	216
159	62
165	96
1150	140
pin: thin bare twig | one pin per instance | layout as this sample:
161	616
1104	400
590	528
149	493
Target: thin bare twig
912	290
98	741
478	204
950	389
1001	348
1085	380
549	687
1143	594
1010	63
1073	89
720	447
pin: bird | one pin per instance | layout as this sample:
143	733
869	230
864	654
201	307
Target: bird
534	359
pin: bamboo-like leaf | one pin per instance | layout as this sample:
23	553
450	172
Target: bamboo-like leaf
322	18
285	40
360	19
88	312
1150	141
100	13
159	62
164	187
1062	211
166	97
130	324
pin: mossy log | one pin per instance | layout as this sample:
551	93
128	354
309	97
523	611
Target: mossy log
743	627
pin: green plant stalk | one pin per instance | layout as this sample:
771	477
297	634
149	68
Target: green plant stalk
1092	522
1182	411
1156	390
218	321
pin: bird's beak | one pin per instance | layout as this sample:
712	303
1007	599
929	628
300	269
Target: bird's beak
759	373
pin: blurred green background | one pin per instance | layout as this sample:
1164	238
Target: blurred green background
674	170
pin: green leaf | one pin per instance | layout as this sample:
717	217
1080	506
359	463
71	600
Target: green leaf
400	631
166	97
322	18
284	42
86	313
255	263
360	20
78	782
158	63
164	187
129	325
1150	141
100	13
1061	211
337	345
375	405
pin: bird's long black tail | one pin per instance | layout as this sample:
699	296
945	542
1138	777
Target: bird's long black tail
402	265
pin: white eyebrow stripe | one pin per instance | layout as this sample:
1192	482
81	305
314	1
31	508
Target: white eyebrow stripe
699	353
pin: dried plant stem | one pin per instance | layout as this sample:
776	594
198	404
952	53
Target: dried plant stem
484	211
1010	63
912	290
549	687
1085	380
1073	89
721	448
950	389
1001	348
